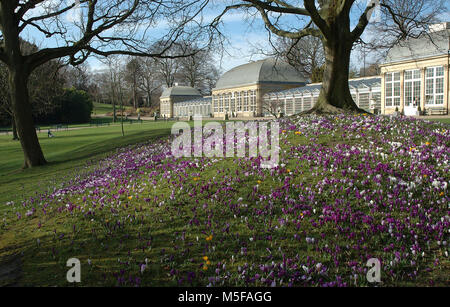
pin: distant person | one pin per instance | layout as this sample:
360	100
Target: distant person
50	134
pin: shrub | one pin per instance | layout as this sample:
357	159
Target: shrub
75	106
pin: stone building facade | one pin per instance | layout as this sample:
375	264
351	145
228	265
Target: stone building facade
414	77
416	74
174	95
239	92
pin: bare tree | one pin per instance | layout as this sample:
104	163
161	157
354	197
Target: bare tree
211	78
330	21
5	100
167	68
133	71
101	80
273	106
101	27
149	82
304	54
113	78
198	70
77	76
400	20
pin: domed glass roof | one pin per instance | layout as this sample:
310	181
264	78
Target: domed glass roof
264	71
180	91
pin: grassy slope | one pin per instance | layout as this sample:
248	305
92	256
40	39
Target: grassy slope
67	160
65	153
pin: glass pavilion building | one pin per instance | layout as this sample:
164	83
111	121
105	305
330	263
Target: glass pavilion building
366	93
414	77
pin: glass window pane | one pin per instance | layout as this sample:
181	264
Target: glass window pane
388	77
408	75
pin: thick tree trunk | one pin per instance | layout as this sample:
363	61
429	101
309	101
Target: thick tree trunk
335	94
18	81
18	85
337	42
14	129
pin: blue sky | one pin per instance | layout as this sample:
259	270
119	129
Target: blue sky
241	35
244	36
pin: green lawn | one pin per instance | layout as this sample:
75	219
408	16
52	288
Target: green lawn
442	120
65	152
102	108
99	109
95	121
92	122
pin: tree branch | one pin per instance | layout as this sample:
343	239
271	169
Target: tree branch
288	34
317	19
363	21
285	8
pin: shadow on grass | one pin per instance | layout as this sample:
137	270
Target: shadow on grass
44	263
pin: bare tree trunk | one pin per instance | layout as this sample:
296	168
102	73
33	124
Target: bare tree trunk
113	101
14	129
335	93
149	99
114	110
135	97
18	81
121	115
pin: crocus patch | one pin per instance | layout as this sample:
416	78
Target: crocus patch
346	189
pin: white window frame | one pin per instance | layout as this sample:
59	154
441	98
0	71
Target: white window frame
391	96
413	81
434	79
239	102
226	102
215	104
221	103
252	98
246	101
